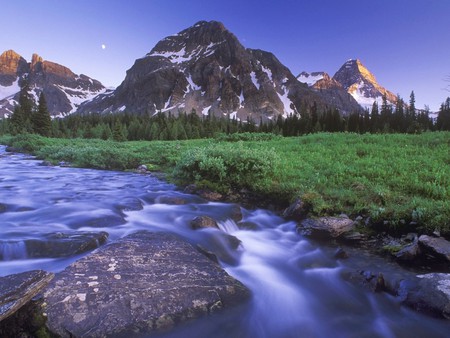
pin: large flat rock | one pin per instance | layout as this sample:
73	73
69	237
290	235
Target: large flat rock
142	283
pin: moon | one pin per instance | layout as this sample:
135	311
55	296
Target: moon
103	46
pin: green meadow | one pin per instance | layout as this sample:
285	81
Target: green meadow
401	182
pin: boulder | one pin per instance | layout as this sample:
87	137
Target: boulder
437	246
326	227
140	284
236	213
297	210
428	293
201	222
18	289
64	244
409	252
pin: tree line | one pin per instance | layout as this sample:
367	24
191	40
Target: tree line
386	118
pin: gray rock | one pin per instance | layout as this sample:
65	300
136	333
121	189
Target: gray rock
326	227
437	246
64	244
367	279
409	252
142	283
18	289
201	222
429	293
142	169
297	210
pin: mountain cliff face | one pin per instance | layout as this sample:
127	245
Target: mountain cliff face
207	69
331	91
63	89
359	82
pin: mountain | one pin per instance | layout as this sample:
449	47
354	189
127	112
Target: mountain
63	89
205	68
331	91
359	82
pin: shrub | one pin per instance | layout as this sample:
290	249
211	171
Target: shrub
228	166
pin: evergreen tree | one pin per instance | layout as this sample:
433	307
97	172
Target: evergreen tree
443	119
17	121
41	120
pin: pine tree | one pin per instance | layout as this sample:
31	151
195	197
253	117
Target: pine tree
41	120
17	121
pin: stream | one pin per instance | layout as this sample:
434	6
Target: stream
297	285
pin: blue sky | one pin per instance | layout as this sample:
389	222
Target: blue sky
405	43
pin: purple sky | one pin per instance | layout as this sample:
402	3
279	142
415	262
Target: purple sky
405	43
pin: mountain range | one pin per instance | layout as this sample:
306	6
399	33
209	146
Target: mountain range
203	68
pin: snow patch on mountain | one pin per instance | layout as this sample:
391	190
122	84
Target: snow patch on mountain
286	102
77	96
6	91
254	80
310	78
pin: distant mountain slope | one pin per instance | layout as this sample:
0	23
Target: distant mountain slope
206	68
63	89
331	91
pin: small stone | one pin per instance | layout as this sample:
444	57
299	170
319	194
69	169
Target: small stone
201	222
340	254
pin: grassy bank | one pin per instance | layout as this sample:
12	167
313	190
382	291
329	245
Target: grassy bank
394	179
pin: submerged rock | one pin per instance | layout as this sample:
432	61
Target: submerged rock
142	283
18	289
326	227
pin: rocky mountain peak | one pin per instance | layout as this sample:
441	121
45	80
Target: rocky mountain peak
362	84
353	71
35	59
11	65
63	89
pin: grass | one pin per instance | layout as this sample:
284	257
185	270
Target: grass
401	182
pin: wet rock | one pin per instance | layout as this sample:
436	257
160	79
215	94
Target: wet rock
18	289
142	283
46	164
236	213
367	279
326	227
297	210
248	226
64	244
142	169
340	254
178	200
201	222
210	195
429	293
437	246
130	204
409	252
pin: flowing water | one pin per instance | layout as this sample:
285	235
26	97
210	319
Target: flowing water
297	285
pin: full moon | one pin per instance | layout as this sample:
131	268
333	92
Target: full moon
103	46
